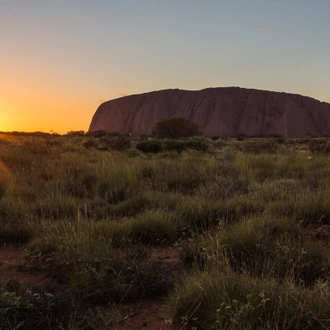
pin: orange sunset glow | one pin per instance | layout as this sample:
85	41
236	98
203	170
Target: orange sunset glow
59	59
41	105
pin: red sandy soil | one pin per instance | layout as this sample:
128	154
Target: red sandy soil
146	314
14	265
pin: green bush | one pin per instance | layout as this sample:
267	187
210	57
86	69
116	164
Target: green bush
176	127
152	146
118	143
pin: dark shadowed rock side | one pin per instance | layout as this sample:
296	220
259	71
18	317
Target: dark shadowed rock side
228	111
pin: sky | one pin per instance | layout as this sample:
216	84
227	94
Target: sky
60	59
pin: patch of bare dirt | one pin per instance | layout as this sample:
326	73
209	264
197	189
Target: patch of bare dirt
165	256
146	315
14	265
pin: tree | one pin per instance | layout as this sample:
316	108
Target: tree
176	127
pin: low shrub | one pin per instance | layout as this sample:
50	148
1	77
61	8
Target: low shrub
319	146
118	143
196	145
149	146
89	143
173	145
241	137
96	134
264	146
176	127
75	133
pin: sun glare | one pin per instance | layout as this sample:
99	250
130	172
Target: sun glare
3	124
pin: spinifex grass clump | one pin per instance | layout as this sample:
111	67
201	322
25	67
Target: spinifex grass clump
257	146
307	207
154	227
117	178
104	262
262	247
203	214
147	200
226	300
184	173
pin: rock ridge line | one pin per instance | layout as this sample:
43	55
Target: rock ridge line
219	111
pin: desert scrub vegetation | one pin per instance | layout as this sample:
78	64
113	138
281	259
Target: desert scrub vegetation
220	300
249	217
176	127
33	307
103	262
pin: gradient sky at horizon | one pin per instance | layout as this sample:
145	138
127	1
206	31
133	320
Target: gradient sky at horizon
60	59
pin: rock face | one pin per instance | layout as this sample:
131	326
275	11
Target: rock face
225	111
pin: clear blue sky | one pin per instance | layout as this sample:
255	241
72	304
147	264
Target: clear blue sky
60	58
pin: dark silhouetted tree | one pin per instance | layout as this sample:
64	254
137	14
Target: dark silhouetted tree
176	127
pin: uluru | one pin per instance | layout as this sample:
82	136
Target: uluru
222	111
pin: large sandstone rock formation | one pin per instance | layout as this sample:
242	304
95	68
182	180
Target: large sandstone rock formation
218	111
